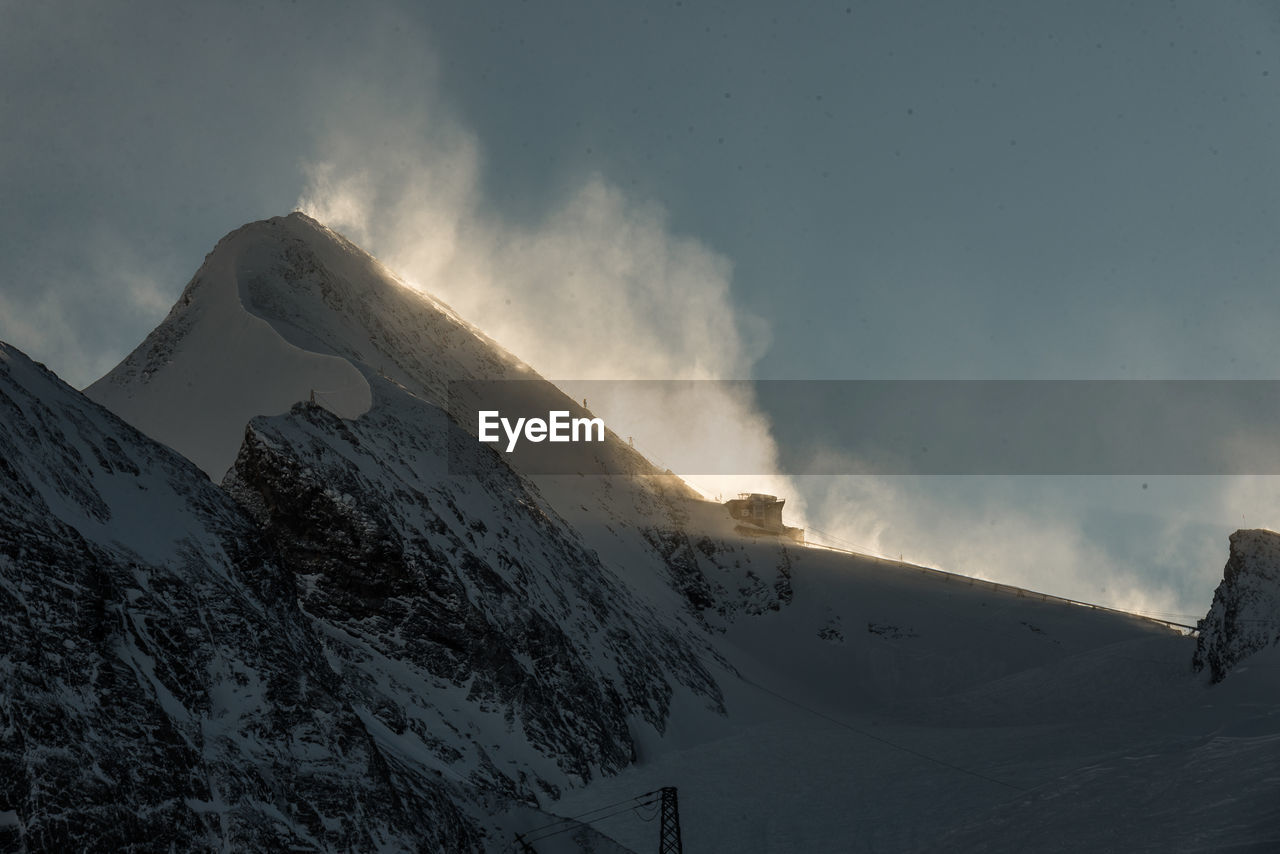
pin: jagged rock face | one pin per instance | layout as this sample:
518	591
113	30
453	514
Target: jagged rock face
159	688
1245	615
468	617
709	574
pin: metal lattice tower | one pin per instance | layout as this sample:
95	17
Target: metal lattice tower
669	843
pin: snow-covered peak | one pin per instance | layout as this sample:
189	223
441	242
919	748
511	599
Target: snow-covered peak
324	294
286	310
1245	615
213	364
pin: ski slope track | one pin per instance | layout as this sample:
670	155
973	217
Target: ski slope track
247	607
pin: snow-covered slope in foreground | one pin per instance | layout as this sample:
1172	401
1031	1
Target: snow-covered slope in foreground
888	710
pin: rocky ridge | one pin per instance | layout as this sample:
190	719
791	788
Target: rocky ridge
1245	615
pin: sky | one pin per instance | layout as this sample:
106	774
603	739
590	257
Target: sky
836	190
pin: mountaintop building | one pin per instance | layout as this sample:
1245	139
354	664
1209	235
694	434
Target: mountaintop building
760	515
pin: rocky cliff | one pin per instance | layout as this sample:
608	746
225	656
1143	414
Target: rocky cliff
160	688
1245	615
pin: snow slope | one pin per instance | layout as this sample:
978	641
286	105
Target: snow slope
888	710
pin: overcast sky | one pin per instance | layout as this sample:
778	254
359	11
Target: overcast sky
855	191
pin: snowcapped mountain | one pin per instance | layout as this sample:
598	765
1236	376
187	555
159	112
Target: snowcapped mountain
338	644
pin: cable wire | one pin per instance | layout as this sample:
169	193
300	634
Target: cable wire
574	824
628	805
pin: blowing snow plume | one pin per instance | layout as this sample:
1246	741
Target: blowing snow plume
598	289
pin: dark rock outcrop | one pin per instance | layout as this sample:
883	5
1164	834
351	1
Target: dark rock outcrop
437	595
1245	615
713	581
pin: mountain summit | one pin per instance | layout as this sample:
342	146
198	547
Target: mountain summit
284	310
